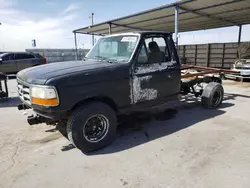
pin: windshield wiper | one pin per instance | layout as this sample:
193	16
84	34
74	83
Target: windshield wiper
105	59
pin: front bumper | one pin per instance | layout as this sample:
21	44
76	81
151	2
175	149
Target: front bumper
50	115
242	71
43	117
53	115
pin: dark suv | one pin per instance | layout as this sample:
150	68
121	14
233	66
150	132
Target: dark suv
14	62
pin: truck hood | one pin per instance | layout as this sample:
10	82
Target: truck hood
40	74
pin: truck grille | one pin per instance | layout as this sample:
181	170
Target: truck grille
24	92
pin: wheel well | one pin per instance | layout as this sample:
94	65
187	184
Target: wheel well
105	100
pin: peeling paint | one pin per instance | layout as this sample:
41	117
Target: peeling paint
140	94
155	67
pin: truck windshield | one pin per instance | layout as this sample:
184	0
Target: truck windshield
114	48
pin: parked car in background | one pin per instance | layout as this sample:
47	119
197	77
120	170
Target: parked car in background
242	66
13	62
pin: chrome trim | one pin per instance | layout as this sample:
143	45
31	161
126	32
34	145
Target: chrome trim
24	92
23	96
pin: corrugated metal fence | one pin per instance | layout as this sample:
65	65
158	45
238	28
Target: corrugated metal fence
56	55
221	55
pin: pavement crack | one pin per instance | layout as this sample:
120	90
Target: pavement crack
159	159
13	161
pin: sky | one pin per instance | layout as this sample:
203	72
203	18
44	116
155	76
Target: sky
51	22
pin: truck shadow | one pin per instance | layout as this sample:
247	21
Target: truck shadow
231	96
138	129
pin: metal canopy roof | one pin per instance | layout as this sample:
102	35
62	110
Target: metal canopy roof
193	15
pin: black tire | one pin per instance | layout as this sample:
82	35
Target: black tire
212	95
83	117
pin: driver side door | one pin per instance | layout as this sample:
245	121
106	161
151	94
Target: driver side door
153	78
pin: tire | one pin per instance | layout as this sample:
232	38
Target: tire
212	95
90	118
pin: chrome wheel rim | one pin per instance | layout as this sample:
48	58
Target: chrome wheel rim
95	128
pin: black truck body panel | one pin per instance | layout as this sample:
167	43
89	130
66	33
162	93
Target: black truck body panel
77	81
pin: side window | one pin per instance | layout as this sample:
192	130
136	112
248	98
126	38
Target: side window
8	57
157	50
142	57
156	53
161	42
23	56
18	56
29	56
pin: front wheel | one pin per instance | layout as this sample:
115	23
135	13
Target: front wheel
212	95
92	126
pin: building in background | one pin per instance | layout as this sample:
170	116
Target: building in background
57	55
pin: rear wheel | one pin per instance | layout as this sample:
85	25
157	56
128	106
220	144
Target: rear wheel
92	126
212	95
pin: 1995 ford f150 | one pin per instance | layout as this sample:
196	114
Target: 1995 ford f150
121	73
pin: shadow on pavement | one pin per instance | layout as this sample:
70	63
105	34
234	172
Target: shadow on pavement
68	147
9	102
140	129
231	96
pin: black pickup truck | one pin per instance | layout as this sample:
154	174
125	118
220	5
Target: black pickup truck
120	74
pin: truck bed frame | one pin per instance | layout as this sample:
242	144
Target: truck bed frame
193	76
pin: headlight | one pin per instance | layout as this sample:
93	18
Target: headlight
45	96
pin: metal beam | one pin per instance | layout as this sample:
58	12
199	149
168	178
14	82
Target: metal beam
239	35
176	25
126	26
92	22
208	16
110	28
203	8
88	33
162	17
75	46
171	15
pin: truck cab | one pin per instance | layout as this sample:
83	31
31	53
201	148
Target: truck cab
122	72
153	68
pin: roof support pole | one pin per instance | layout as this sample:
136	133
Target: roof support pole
176	25
75	46
110	28
239	35
92	21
